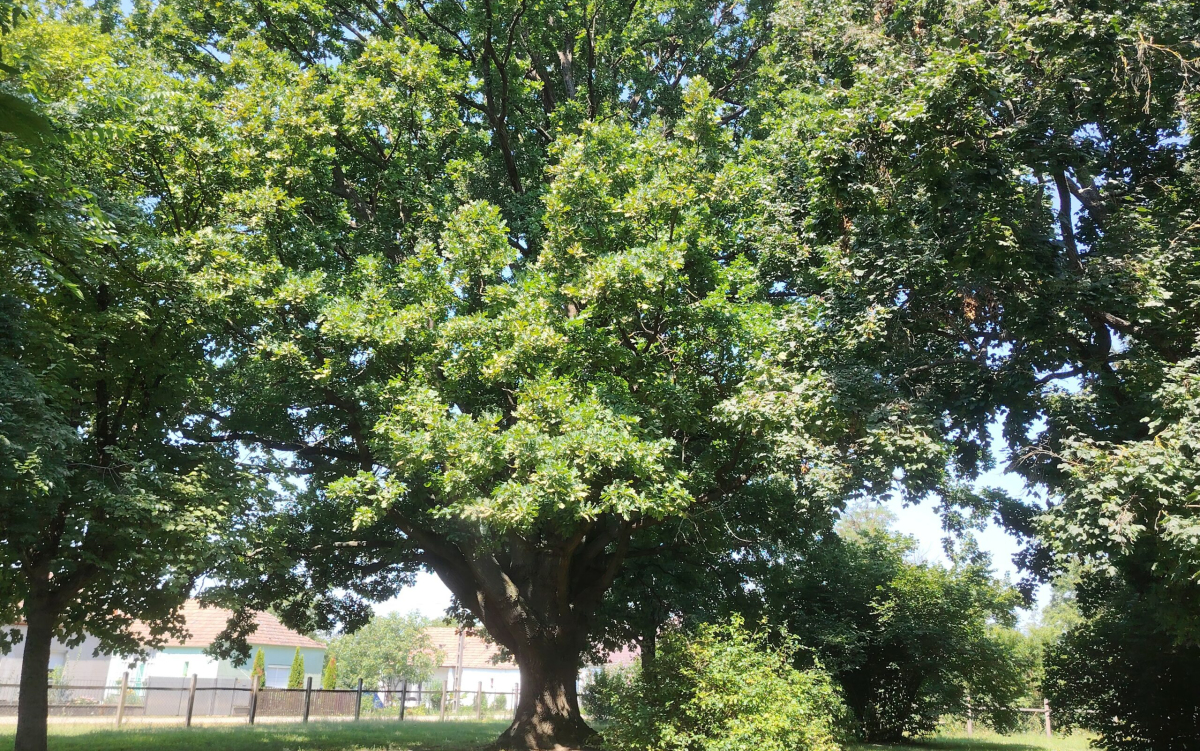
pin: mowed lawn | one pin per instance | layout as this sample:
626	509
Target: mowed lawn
985	741
410	736
367	735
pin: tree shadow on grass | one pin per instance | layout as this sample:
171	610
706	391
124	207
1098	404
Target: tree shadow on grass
950	744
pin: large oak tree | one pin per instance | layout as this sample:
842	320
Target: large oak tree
492	303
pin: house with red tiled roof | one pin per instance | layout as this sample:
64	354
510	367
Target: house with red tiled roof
185	657
178	659
469	660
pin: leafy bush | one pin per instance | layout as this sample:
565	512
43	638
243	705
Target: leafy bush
906	641
600	694
725	689
1120	674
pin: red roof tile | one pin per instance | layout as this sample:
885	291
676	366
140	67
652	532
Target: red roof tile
203	625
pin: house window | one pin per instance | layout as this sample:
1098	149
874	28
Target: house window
277	675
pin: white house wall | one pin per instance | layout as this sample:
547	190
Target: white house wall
79	665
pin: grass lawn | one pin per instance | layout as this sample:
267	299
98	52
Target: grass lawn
314	736
985	741
411	736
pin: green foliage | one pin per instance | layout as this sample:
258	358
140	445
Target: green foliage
329	675
1119	673
387	651
258	672
109	513
601	694
435	695
725	688
907	641
296	674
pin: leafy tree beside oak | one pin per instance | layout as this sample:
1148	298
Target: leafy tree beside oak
106	514
387	651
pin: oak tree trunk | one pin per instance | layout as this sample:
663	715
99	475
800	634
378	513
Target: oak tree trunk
547	715
537	598
32	704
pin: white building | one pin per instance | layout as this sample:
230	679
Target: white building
180	658
477	661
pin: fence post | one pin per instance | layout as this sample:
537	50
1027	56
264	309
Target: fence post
358	700
442	712
479	702
253	698
514	701
1046	709
121	698
191	699
403	698
307	696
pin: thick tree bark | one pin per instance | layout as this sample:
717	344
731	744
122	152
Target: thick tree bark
547	715
538	601
35	665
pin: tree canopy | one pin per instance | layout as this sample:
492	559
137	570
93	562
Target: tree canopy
106	515
535	294
387	651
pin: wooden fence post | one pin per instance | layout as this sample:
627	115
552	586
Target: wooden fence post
191	699
442	713
479	702
514	701
403	698
1046	708
307	696
253	710
358	701
121	698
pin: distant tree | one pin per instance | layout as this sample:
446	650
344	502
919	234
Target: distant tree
296	674
863	520
258	672
907	641
388	650
329	674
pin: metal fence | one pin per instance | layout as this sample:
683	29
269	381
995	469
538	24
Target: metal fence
240	700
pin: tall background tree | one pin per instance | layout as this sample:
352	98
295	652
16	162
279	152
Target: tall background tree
106	514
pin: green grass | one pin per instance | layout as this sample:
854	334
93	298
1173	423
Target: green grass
986	741
314	736
383	735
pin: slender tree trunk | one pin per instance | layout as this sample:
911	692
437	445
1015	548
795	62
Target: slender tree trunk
35	665
649	648
547	715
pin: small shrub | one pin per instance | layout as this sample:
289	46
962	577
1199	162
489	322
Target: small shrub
499	702
725	689
296	674
601	693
